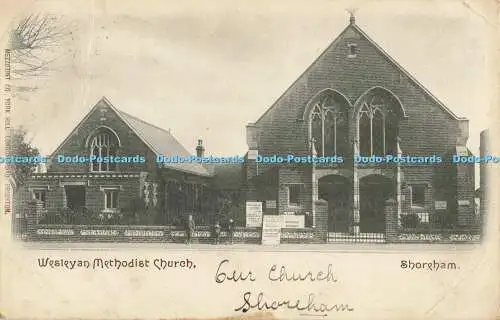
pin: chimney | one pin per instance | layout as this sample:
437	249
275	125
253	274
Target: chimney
463	132
200	150
252	136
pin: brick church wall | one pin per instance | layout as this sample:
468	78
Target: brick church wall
94	196
297	174
429	128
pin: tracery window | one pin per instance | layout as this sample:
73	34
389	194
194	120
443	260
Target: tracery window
377	129
329	127
104	144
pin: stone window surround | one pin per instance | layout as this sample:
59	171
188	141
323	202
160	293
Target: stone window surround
378	91
410	186
300	187
103	137
71	183
352	50
321	111
34	189
116	188
369	111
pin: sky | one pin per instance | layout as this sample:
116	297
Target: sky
207	69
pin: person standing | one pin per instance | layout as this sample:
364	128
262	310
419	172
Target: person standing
190	229
230	229
217	232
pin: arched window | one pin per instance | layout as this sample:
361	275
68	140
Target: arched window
391	133
378	132
365	129
378	129
329	127
103	144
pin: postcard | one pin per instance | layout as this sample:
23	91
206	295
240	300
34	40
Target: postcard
249	159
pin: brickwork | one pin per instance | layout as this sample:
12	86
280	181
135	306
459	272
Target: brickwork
418	176
33	214
465	195
138	184
289	175
321	219
426	128
391	220
77	143
94	196
261	182
355	217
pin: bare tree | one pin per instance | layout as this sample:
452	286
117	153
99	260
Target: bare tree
36	42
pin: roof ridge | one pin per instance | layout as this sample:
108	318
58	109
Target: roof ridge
120	114
124	116
141	120
156	127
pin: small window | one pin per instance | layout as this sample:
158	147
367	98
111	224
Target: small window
293	195
111	199
40	195
418	196
352	50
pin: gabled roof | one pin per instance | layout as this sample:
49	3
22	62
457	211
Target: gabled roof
353	26
160	141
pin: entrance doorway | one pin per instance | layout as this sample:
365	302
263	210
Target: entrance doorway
75	197
337	191
374	190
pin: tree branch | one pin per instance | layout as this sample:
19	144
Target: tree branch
33	42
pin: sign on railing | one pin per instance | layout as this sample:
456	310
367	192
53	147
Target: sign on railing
253	214
291	222
271	229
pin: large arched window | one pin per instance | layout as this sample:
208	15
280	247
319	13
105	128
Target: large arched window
103	144
378	128
329	127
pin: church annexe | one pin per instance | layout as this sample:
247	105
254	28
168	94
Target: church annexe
137	192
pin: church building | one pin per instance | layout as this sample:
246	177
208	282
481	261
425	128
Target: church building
356	101
139	190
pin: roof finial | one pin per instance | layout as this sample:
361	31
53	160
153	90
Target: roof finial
352	18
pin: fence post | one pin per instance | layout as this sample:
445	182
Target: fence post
321	217
391	220
33	215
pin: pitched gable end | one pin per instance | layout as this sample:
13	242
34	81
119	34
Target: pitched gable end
102	104
338	65
156	139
